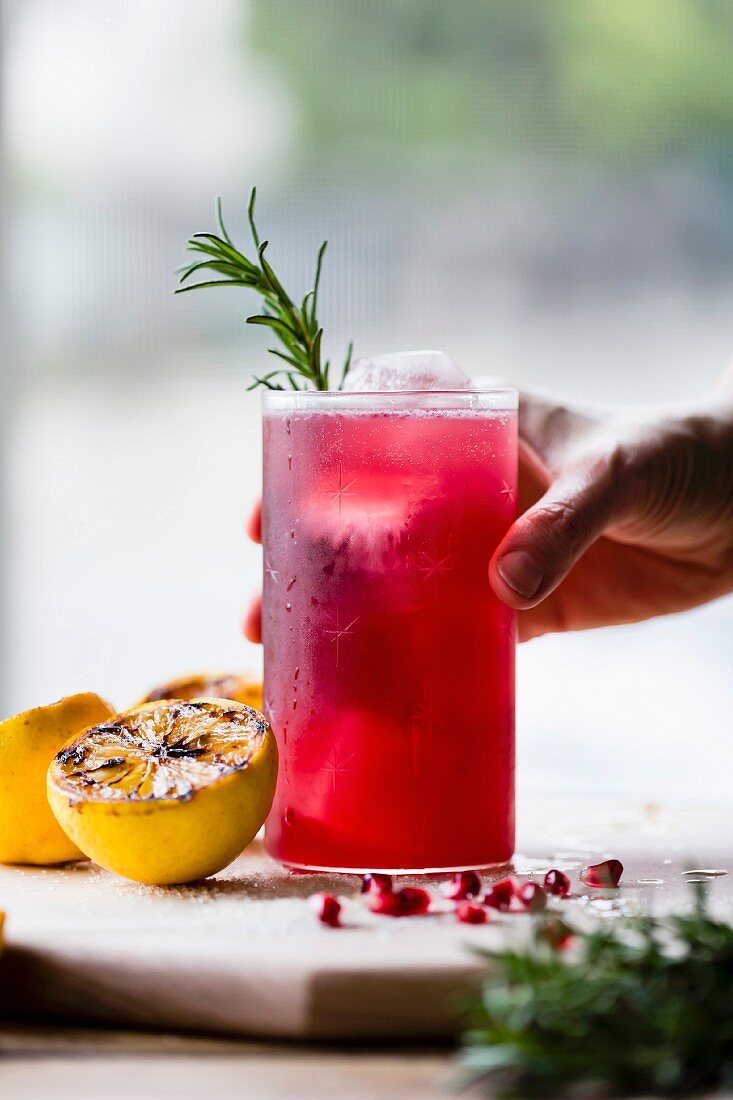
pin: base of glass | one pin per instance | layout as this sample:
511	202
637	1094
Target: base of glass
412	872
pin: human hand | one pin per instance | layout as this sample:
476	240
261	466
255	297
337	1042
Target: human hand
624	514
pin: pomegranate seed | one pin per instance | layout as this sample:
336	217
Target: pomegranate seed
376	883
414	900
387	905
557	883
407	902
466	884
326	908
532	896
607	873
468	912
500	895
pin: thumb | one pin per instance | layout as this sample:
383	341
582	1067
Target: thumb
544	544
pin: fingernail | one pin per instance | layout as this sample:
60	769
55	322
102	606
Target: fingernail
520	572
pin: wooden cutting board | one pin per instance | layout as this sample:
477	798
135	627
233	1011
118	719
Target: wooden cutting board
242	952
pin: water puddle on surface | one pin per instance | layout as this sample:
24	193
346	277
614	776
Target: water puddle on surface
702	874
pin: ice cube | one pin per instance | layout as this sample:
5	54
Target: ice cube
365	516
407	370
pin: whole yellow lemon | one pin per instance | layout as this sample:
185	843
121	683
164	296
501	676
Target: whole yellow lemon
29	832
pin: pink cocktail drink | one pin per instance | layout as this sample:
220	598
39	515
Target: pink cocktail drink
389	663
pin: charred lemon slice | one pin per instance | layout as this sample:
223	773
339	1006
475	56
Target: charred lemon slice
169	791
242	689
29	833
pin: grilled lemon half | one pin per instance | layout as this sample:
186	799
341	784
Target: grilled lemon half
243	689
167	792
29	833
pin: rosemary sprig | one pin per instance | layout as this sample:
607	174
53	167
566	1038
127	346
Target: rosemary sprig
644	1005
296	327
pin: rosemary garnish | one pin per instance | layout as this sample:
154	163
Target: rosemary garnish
296	327
642	1006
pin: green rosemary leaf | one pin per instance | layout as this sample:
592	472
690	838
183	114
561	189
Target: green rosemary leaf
317	283
251	217
277	323
212	282
220	222
205	249
225	249
224	267
296	328
272	278
297	363
304	311
265	381
347	363
271	374
322	381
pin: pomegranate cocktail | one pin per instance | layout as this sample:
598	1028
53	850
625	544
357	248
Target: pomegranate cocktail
389	663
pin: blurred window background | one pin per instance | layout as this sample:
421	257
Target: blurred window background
542	189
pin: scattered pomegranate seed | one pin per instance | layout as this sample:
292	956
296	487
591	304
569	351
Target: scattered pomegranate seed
532	897
407	902
607	873
557	883
466	884
468	912
376	883
415	899
326	908
500	895
387	905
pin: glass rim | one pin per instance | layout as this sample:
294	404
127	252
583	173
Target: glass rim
497	398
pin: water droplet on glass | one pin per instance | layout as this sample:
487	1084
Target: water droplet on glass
650	882
288	607
287	425
291	583
289	816
290	462
297	672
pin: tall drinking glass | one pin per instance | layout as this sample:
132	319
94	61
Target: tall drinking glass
389	662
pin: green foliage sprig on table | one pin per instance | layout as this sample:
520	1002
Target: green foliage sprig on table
642	1005
296	327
